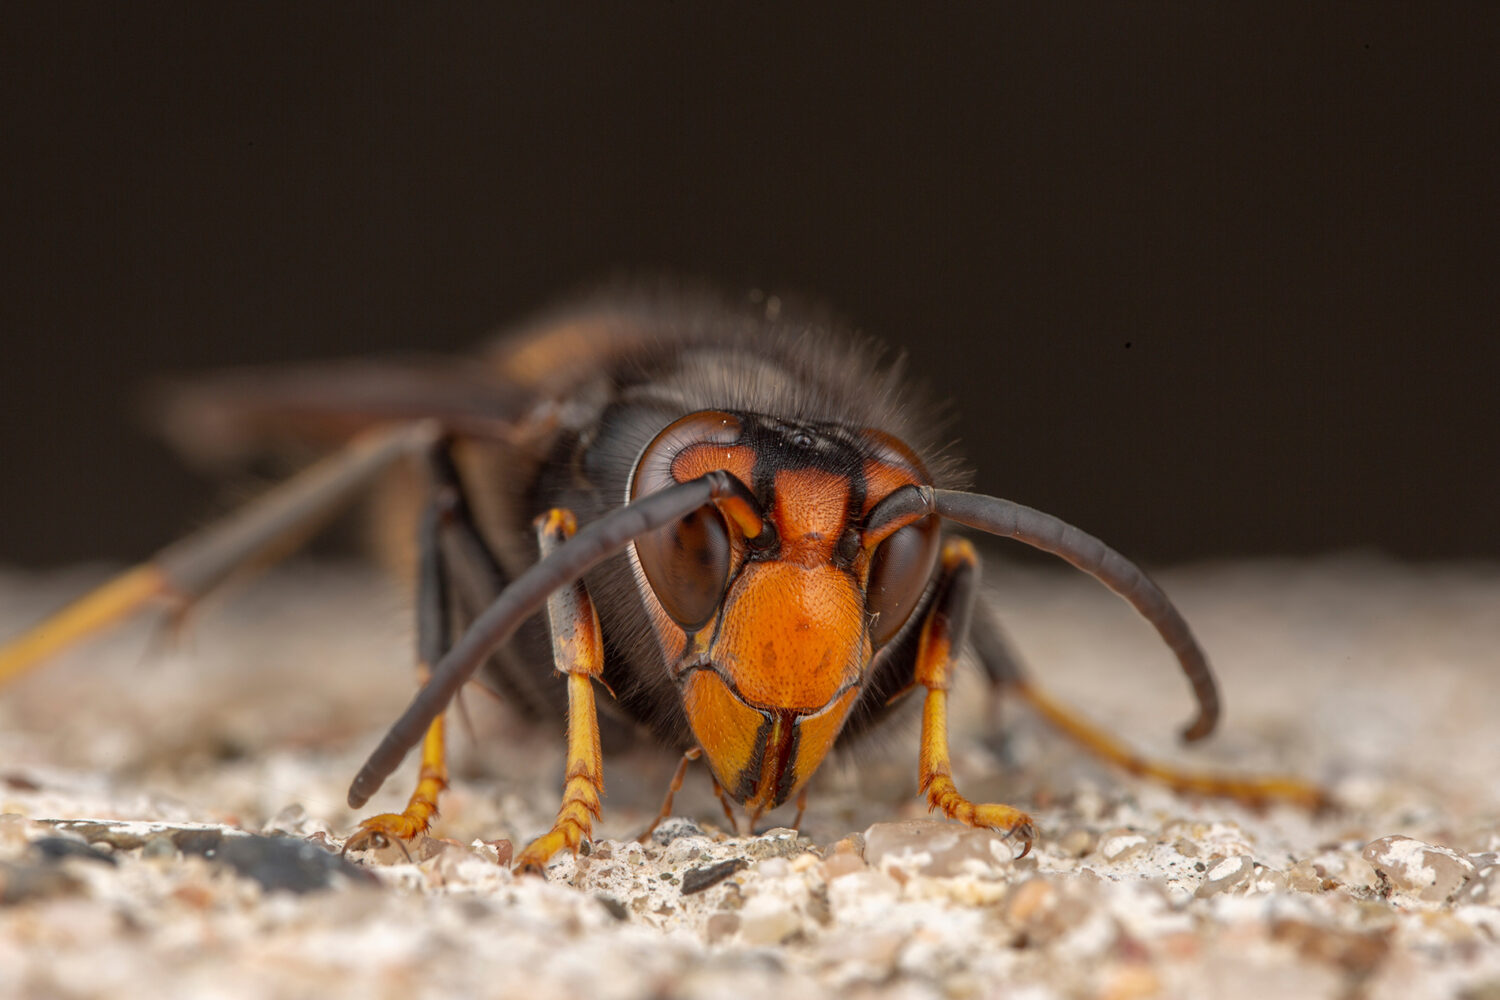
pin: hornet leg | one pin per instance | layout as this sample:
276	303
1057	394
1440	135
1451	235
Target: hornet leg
264	530
1005	674
578	652
452	562
942	635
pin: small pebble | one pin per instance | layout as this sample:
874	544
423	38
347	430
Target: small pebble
1429	872
285	863
768	920
1078	842
842	863
776	843
1224	874
672	828
935	847
427	848
1265	879
774	868
614	907
501	852
1119	844
58	848
1304	876
696	880
853	844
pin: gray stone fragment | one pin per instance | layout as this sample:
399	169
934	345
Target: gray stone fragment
696	880
285	863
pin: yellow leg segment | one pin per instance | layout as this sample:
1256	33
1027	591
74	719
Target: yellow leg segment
934	672
584	784
937	781
1254	790
578	652
422	806
117	599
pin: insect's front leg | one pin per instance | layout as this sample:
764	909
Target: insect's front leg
942	635
578	653
675	786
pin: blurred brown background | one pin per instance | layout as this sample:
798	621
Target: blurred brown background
1207	283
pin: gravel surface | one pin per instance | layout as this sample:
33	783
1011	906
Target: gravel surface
172	803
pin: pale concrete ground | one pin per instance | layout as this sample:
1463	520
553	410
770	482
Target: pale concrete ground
1381	680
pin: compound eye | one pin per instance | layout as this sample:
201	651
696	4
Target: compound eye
899	572
687	565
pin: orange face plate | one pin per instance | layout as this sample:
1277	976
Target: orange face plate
769	680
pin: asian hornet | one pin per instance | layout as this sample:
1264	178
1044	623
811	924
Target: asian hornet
735	520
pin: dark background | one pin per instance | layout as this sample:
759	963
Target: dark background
1205	282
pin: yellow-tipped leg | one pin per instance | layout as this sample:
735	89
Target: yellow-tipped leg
449	549
936	781
578	652
584	785
1254	790
942	630
117	599
423	804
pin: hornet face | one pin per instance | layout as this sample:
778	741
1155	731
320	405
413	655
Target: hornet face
768	618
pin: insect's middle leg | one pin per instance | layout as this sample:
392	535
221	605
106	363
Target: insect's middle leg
942	635
578	653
